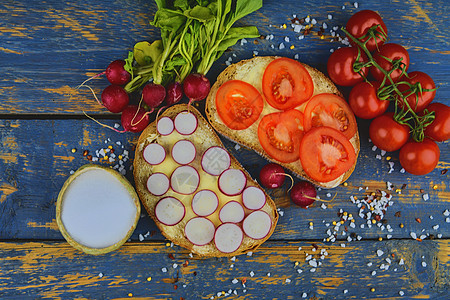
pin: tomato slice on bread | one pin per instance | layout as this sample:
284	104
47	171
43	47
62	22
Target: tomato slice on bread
286	83
238	104
332	111
280	134
326	154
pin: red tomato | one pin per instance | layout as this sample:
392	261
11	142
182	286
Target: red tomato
326	154
332	111
420	100
358	25
239	104
341	69
280	134
387	57
419	158
286	83
364	101
439	130
387	134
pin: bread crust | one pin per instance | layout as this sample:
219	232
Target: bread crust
203	138
249	137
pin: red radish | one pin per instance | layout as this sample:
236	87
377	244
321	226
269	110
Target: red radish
116	73
204	203
174	93
183	152
169	211
158	184
154	154
153	94
134	119
272	176
257	224
303	193
199	231
185	123
215	160
228	237
196	87
232	182
165	126
232	212
115	98
253	198
185	180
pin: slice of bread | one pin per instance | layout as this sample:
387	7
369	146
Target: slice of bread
203	138
251	71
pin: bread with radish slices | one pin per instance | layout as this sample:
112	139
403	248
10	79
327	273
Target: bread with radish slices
199	196
250	113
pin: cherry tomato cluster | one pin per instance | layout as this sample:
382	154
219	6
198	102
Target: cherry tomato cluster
377	73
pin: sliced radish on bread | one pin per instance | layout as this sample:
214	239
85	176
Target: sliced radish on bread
154	154
158	184
232	182
165	126
215	160
199	231
185	123
204	203
169	211
232	212
257	224
183	152
253	198
228	237
185	180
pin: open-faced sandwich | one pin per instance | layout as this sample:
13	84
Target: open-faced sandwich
288	112
199	195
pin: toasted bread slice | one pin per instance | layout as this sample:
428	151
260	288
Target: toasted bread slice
203	138
251	71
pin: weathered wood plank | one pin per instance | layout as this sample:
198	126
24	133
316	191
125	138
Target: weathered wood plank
63	43
36	158
277	270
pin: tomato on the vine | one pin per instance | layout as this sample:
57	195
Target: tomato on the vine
390	57
340	66
332	111
364	101
387	134
417	98
419	158
326	154
439	130
238	104
280	134
359	24
286	83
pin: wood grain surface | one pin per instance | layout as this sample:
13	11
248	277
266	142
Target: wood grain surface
47	48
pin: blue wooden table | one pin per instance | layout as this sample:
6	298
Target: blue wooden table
49	47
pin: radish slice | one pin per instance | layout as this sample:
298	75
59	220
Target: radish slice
232	182
257	224
232	212
215	160
158	184
169	211
154	154
183	152
204	203
186	123
185	180
228	237
199	231
165	126
253	198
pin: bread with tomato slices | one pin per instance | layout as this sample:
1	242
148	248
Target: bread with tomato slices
328	154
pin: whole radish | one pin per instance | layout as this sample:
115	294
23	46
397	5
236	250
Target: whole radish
134	118
196	87
115	98
116	74
153	94
272	176
174	93
303	193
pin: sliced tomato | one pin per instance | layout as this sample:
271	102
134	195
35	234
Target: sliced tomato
286	83
280	135
326	154
332	111
239	104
